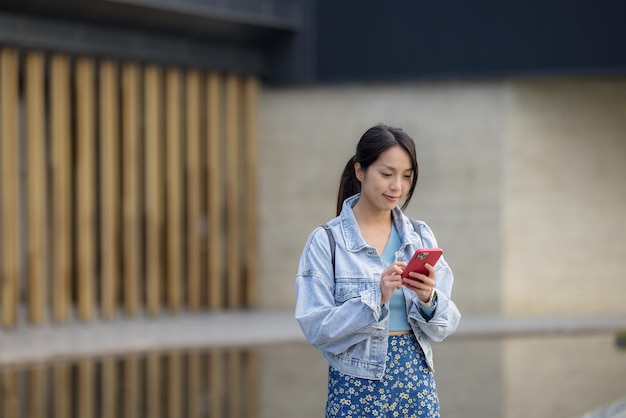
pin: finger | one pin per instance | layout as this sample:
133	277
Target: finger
431	269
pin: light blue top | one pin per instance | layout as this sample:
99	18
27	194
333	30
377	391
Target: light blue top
398	319
339	309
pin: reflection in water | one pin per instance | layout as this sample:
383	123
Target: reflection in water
559	376
211	384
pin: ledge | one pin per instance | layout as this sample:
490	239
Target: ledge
238	329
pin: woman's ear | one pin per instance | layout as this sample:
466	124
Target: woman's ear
358	171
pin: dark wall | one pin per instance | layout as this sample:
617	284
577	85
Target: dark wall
403	39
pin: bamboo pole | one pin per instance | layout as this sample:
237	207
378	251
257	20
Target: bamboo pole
36	178
9	177
233	190
131	197
194	192
155	222
214	192
86	211
174	189
109	169
61	232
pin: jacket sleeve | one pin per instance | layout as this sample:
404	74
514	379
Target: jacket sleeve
328	325
446	317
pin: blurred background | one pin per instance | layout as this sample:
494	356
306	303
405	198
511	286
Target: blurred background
162	163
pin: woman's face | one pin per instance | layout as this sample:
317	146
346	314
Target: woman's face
386	181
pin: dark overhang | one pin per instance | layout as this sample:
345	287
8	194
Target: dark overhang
230	35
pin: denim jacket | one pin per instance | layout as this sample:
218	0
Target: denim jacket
340	312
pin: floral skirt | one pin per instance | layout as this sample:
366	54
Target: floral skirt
406	390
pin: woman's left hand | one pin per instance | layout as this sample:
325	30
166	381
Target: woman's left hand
422	284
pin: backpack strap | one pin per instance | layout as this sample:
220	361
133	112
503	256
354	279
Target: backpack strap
331	239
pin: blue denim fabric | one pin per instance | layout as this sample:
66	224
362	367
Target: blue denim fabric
341	314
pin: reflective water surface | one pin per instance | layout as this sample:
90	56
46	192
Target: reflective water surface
552	377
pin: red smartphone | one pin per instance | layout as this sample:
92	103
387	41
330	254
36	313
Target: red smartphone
420	258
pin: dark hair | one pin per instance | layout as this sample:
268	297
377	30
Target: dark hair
373	142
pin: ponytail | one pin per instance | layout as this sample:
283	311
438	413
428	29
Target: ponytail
349	185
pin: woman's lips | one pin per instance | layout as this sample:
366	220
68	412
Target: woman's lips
391	198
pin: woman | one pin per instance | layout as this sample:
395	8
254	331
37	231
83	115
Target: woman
373	327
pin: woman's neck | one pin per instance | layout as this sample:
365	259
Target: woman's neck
367	217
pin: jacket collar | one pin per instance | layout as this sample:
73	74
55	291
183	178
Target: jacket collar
352	234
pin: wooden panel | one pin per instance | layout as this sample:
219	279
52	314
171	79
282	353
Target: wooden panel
61	232
253	381
85	389
153	99
154	400
174	385
214	192
233	190
174	189
109	201
37	385
194	192
194	385
85	185
9	394
251	205
9	186
215	384
109	388
235	384
131	195
132	389
61	391
36	186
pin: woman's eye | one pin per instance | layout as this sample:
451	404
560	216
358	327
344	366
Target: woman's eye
386	175
408	177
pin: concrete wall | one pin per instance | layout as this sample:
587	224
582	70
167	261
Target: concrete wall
522	182
565	198
308	134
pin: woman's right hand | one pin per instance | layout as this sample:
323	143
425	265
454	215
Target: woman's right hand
390	280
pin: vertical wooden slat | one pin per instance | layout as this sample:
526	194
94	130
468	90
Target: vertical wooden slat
61	232
85	389
233	189
174	189
109	389
194	192
154	188
131	387
61	391
194	385
9	394
109	202
174	385
234	391
37	392
36	179
214	192
253	379
131	201
85	177
215	383
251	206
9	186
154	401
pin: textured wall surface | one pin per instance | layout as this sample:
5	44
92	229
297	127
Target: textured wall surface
307	135
521	181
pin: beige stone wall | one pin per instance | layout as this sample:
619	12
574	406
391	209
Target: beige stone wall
522	182
308	134
565	198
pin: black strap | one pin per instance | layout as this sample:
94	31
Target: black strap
331	238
